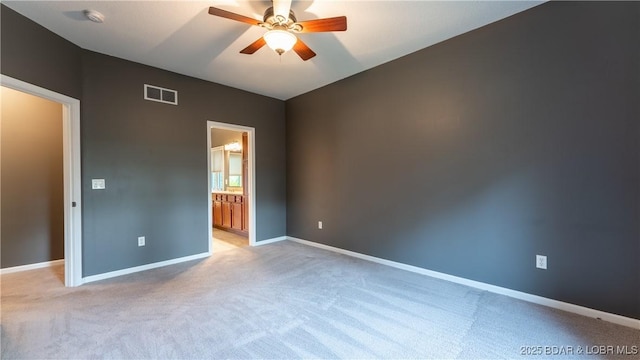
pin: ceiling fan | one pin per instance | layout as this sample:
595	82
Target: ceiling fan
282	25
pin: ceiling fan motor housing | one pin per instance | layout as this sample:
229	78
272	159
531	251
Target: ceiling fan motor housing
271	20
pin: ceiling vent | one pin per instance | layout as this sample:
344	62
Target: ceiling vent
156	93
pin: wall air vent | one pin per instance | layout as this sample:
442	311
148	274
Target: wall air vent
156	93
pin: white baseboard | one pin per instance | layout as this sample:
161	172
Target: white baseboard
270	241
39	265
577	309
136	269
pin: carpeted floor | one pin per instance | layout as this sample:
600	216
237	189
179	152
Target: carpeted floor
281	301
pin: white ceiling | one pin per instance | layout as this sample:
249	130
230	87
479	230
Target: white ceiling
181	36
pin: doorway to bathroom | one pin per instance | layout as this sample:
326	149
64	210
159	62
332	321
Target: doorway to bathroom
231	184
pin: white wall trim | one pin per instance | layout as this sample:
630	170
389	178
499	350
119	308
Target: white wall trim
39	265
209	199
71	168
136	269
271	241
576	309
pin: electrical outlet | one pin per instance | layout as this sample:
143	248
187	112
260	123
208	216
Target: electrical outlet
141	241
320	225
541	262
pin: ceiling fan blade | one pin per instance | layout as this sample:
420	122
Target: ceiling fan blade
321	25
255	46
281	7
303	50
233	16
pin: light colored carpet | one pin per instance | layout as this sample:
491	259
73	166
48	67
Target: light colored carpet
283	300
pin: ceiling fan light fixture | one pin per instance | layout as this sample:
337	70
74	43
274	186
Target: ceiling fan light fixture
280	41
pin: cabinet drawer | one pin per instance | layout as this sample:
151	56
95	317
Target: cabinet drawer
228	198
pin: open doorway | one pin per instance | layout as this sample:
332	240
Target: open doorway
231	186
65	201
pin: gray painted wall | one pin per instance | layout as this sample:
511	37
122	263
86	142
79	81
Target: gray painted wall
32	190
472	156
34	54
153	156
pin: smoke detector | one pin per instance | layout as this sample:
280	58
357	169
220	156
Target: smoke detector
94	16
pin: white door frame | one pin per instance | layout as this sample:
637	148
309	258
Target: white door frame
71	170
251	179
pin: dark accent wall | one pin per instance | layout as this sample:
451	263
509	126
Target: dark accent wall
35	55
153	157
472	156
32	190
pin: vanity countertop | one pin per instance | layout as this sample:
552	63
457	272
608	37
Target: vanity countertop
228	192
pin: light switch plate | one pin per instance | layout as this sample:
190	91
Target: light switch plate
98	184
